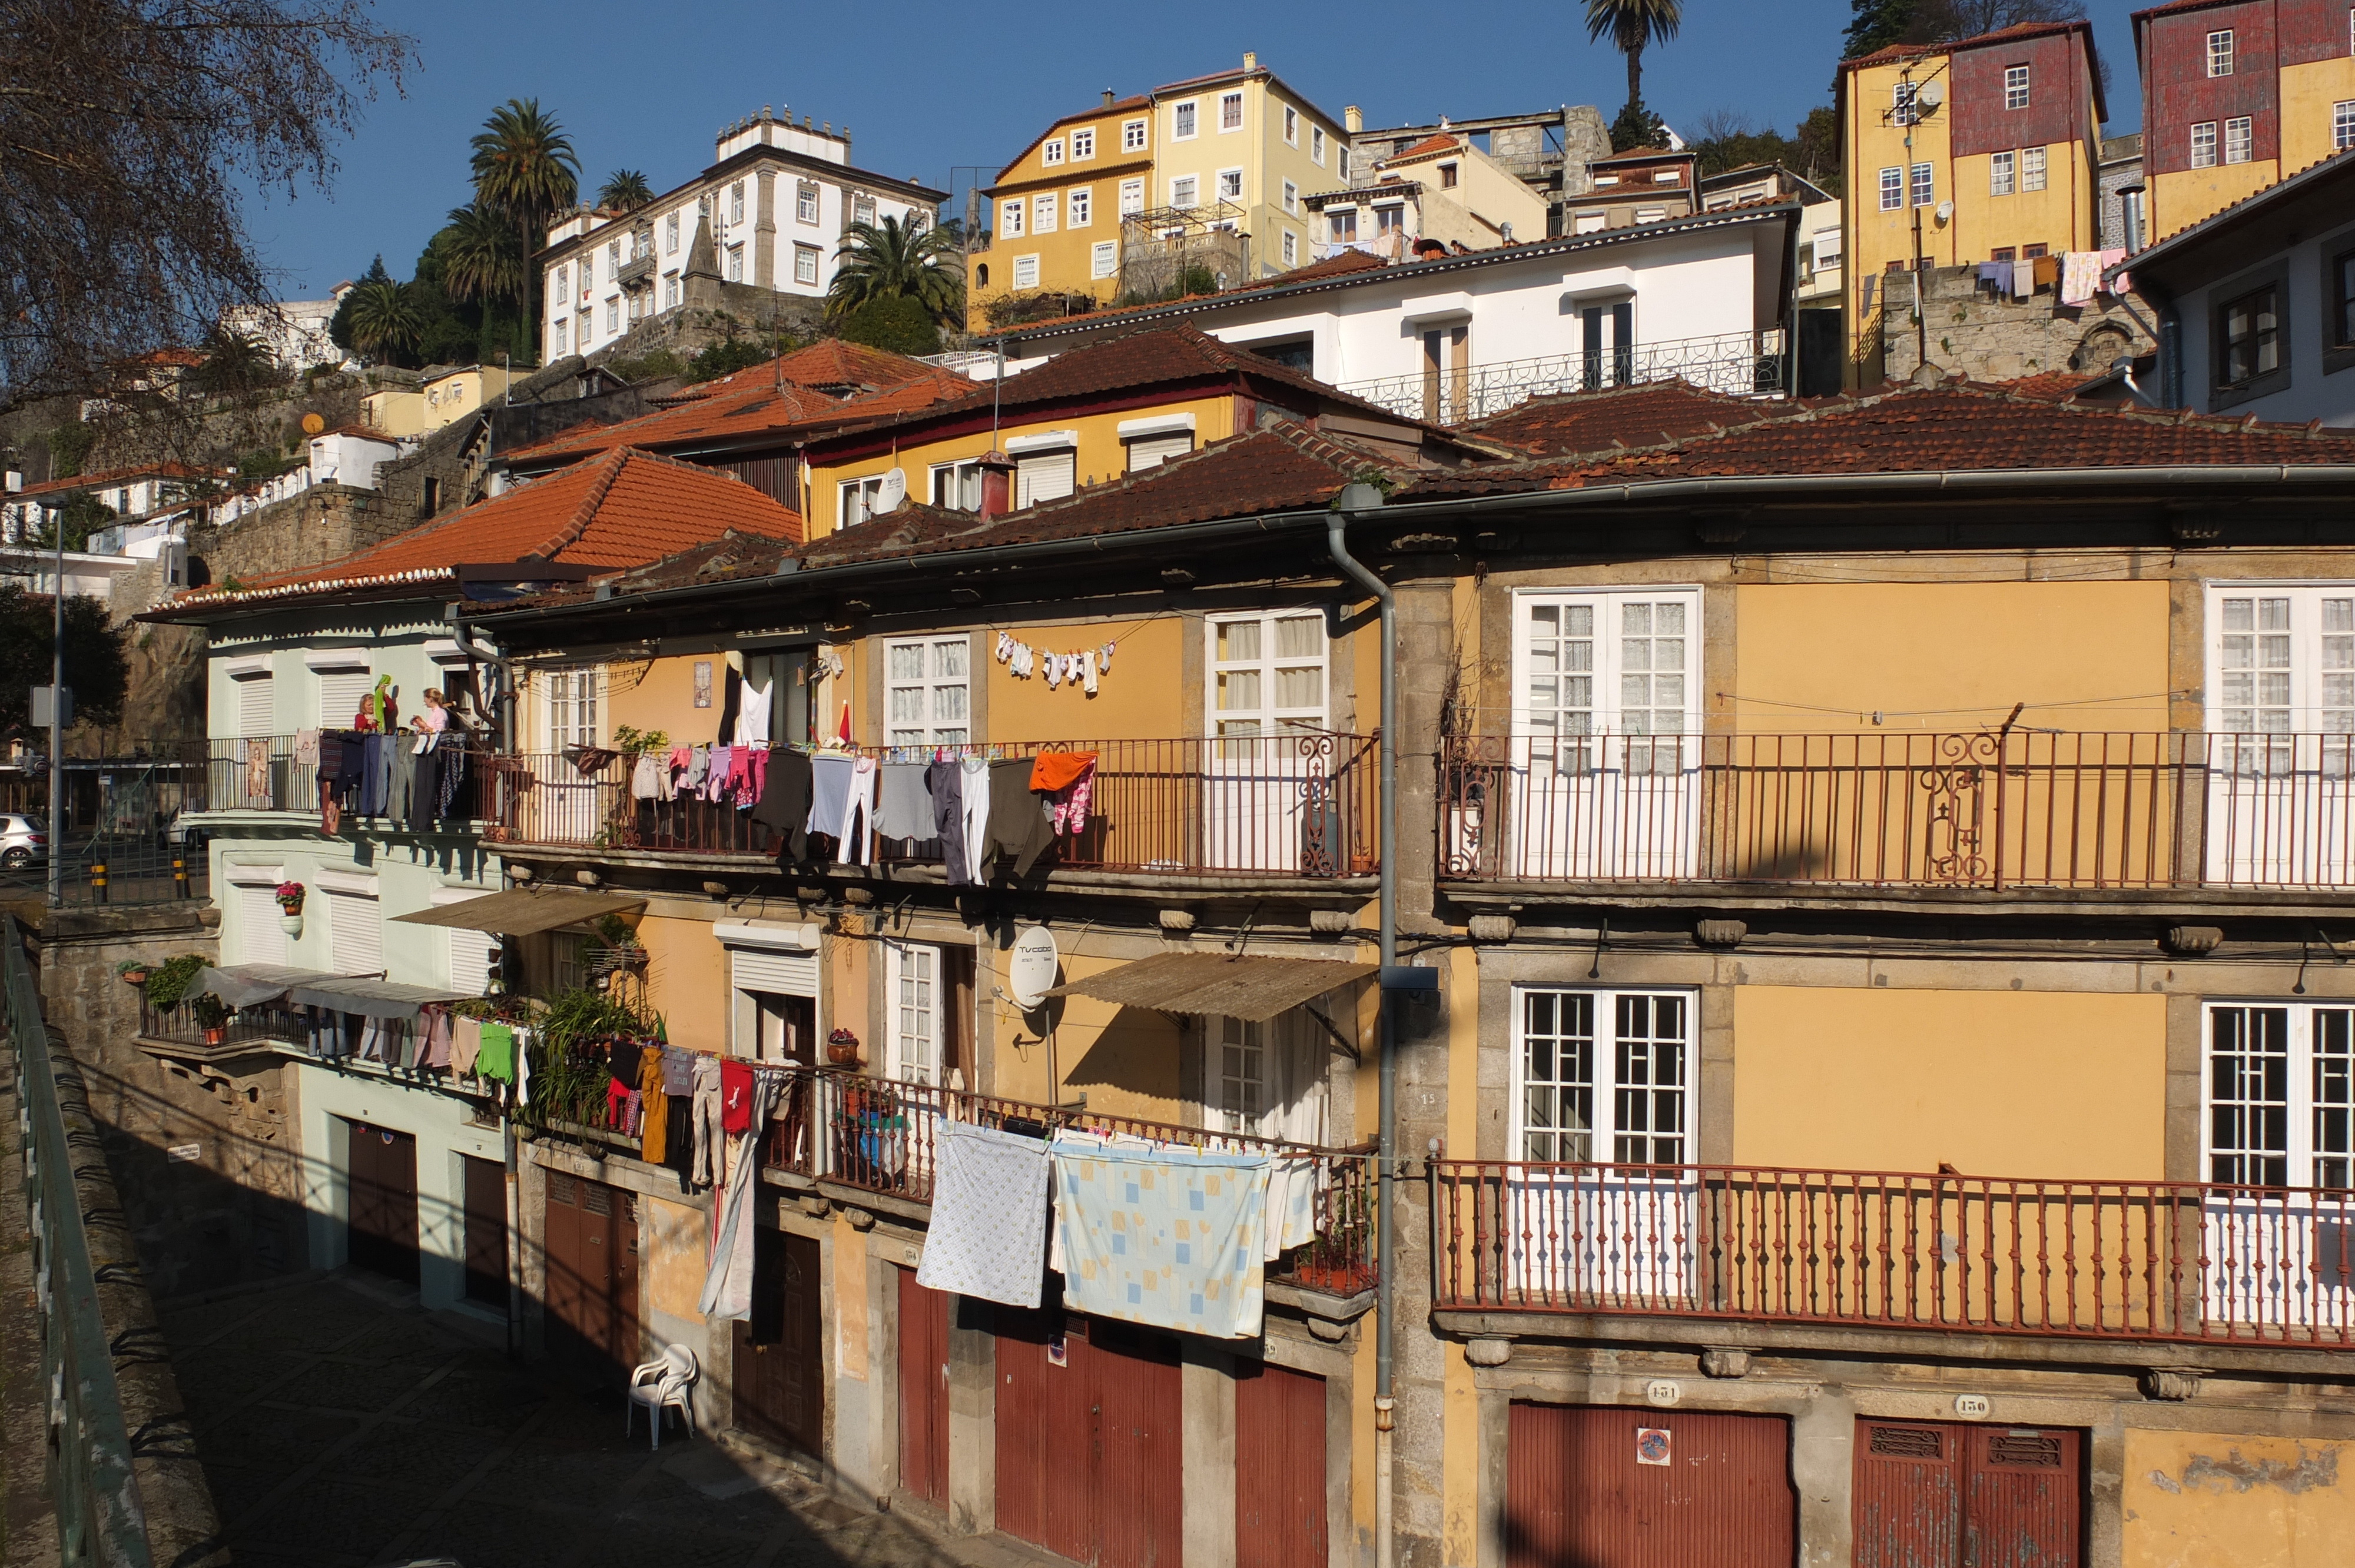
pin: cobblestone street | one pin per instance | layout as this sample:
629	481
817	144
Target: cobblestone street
339	1427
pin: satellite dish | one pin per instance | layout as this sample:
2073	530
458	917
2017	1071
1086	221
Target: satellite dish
1030	972
313	424
1946	210
894	491
1931	94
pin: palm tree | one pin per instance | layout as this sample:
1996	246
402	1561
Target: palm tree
386	321
624	190
1632	25
525	171
892	259
479	261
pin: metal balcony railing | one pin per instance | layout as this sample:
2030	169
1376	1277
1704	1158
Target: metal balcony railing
2118	1260
1289	805
262	773
1988	810
1743	363
882	1135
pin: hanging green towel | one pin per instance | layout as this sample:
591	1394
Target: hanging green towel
497	1059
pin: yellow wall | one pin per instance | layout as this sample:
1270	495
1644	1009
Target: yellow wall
1902	648
1064	255
2181	198
1876	237
2198	1499
1259	151
687	980
395	412
1102	456
2307	92
1993	1082
671	1238
1140	699
2059	217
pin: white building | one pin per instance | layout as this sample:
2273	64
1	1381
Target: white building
768	213
1706	297
133	495
294	332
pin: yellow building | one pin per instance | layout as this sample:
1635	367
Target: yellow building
1985	150
443	398
1207	175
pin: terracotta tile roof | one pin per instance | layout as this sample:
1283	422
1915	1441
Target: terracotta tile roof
823	366
623	509
112	476
1895	52
1594	422
2174	6
1440	143
1957	425
754	408
2052	384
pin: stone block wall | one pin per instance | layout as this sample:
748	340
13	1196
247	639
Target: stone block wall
1986	339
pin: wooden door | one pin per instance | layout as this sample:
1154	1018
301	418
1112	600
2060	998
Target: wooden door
924	1317
1605	1488
486	1232
1945	1494
382	1179
591	1288
1090	1462
779	1366
1280	1493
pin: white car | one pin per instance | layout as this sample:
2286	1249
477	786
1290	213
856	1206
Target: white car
23	842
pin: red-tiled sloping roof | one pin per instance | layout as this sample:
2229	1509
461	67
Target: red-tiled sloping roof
2174	6
623	509
826	364
749	409
1439	142
2053	384
1895	52
1594	422
112	476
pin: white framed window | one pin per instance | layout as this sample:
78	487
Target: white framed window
862	208
1651	213
563	333
2240	139
856	499
1009	218
1083	144
1153	450
957	486
736	202
912	988
1901	110
1267	1079
1893	189
2342	125
1925	185
1602	1076
1103	259
1291	197
670	235
1026	272
2031	168
1291	248
1341	162
1132	135
2015	87
613	316
806	202
1291	126
2281	659
1042	213
569	716
1341	224
735	263
925	698
253	893
670	291
612	260
1131	197
2203	144
1268	673
1595	663
806	260
1080	206
563	282
1183	121
2220	52
2002	174
2279	1095
1185	191
1230	184
1045	476
1051	151
354	929
1317	145
1231	112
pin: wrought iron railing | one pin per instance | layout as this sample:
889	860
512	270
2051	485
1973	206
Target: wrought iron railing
99	1512
272	773
2133	1260
1989	810
1300	805
882	1135
1742	363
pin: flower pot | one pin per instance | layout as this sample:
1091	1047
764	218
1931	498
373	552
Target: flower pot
134	977
215	1033
842	1055
291	924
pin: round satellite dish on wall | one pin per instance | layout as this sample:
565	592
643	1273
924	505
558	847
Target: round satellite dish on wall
1030	969
1931	94
313	424
893	491
1945	211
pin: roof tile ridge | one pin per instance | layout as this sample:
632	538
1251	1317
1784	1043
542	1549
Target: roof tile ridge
599	486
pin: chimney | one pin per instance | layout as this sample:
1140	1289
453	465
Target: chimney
1251	59
996	485
1353	119
1107	103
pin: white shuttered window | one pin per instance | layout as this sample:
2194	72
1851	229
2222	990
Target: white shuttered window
355	931
925	699
257	704
1044	476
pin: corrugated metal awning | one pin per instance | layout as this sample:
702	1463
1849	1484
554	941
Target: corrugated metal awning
521	911
249	985
1251	988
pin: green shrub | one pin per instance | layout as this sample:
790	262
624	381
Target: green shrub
898	323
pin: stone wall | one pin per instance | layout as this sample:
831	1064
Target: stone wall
1997	339
714	312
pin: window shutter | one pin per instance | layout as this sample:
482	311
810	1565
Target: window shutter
340	692
257	704
355	933
470	961
260	939
1046	477
1152	452
778	974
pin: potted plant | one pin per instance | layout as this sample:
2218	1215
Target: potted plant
133	971
290	897
842	1048
212	1017
168	983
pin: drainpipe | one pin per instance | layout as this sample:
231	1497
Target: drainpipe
2170	351
1354	501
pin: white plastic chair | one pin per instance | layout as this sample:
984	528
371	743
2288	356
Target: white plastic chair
662	1382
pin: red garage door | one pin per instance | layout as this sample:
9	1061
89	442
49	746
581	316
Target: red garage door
1607	1487
1943	1494
924	1389
1279	1468
1089	1463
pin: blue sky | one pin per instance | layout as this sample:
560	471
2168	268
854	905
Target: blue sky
926	86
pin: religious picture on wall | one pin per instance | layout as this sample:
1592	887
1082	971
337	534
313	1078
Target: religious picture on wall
703	683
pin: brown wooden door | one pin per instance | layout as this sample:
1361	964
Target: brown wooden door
1945	1494
1605	1488
779	1366
486	1232
1279	1468
924	1389
1089	1459
382	1178
591	1291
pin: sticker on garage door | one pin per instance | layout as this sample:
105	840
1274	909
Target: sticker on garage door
1651	1446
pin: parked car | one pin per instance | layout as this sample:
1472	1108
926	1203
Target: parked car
181	834
23	842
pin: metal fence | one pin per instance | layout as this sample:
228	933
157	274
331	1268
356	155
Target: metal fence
100	1518
2135	1260
1742	363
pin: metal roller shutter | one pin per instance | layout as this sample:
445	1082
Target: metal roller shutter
340	692
355	932
1048	476
257	704
1602	1487
779	974
1152	452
